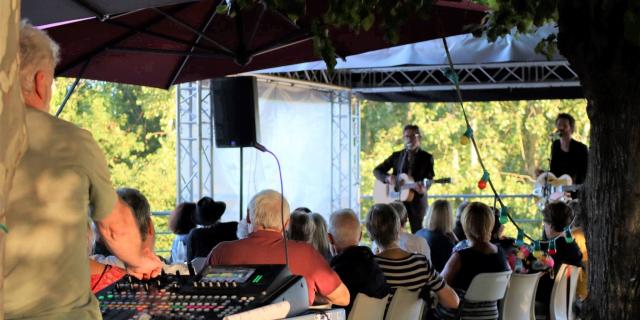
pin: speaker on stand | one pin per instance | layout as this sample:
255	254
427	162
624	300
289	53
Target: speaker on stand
236	116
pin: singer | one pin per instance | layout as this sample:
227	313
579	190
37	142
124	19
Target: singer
568	156
417	164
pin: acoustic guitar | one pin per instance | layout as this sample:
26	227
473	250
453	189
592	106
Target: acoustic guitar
405	191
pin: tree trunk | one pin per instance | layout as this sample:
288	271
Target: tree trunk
13	136
592	37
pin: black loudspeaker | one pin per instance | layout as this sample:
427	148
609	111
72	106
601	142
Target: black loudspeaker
235	111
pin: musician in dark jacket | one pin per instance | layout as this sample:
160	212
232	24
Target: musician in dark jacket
568	156
417	164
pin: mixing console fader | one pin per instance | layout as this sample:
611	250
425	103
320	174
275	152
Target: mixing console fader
217	292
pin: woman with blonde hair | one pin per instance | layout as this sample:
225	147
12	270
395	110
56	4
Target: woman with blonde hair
438	231
480	256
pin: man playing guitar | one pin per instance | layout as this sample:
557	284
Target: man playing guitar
416	163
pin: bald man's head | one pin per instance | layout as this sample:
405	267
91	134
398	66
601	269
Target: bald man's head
344	229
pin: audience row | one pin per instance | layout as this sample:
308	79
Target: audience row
439	260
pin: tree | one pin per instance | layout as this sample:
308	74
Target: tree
601	41
12	127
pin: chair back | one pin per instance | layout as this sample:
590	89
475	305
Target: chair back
519	301
365	307
562	296
405	305
488	287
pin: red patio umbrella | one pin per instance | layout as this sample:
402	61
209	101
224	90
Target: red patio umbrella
160	47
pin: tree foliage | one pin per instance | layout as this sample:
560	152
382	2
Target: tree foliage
355	15
135	127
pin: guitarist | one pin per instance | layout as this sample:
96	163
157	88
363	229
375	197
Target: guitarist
568	156
416	163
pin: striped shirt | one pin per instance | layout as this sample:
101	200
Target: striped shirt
414	272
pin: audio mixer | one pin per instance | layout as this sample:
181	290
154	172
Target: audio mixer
217	292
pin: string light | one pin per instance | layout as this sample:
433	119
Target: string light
466	136
568	237
482	183
504	215
552	247
520	238
537	253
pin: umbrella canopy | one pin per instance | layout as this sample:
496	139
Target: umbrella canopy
160	47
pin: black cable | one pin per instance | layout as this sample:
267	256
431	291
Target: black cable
284	235
104	270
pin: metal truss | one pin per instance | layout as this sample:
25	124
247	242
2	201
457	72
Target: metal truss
194	148
540	74
345	151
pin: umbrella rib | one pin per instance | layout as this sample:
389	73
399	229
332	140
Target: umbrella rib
285	42
178	71
99	15
190	28
166	52
94	52
164	37
258	21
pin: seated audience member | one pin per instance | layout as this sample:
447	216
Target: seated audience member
556	216
320	239
181	223
457	228
438	231
302	210
265	245
212	231
301	227
480	256
401	268
142	213
102	275
354	264
407	241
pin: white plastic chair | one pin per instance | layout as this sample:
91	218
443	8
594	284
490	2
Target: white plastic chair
560	309
365	308
519	301
405	305
485	287
488	287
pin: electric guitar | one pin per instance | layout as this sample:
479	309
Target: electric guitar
404	191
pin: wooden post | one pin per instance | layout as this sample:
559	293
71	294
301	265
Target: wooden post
13	135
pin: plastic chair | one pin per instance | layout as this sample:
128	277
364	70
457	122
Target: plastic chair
488	287
560	308
405	304
485	287
365	308
519	301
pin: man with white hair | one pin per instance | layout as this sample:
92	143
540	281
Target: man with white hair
354	264
265	245
62	176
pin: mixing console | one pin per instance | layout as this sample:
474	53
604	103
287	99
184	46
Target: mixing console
215	293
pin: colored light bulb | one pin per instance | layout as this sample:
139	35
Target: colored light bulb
464	140
520	238
482	184
552	247
466	136
504	216
568	237
537	253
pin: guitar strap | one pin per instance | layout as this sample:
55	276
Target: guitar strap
399	167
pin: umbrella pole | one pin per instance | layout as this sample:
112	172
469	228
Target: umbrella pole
73	88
